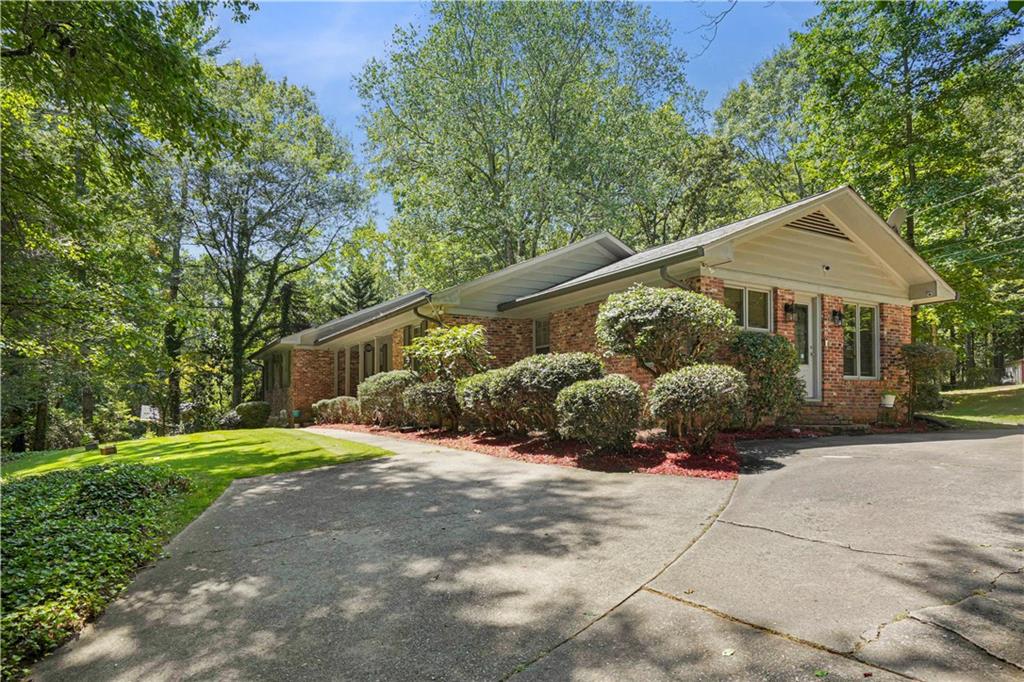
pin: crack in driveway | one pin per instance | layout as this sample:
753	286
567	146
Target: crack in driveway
831	543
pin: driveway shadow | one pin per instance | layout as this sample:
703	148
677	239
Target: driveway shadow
442	567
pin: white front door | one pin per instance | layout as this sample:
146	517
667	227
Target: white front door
808	335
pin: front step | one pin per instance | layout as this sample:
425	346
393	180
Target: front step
836	429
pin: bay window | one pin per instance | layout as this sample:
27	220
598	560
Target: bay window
752	307
860	341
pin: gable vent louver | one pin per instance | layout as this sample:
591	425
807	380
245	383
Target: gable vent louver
817	222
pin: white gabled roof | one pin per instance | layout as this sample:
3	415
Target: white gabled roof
887	245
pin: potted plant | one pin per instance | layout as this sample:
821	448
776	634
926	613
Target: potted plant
889	394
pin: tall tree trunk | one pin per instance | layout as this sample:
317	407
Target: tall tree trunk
88	407
41	422
16	420
172	330
237	349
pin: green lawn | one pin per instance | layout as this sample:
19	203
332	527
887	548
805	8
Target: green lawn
981	407
211	459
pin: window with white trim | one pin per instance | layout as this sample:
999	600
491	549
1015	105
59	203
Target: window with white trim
752	307
860	341
541	337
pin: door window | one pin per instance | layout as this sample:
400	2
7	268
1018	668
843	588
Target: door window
803	319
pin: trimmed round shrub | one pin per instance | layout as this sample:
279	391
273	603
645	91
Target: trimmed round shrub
526	392
926	363
696	402
253	415
664	329
380	396
769	362
478	409
432	404
343	409
603	413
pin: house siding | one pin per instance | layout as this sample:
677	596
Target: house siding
312	378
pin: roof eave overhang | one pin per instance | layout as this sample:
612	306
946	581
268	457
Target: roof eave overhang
411	305
688	255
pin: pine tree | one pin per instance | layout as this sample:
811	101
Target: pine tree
359	289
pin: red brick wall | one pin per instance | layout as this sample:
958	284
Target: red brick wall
780	297
574	330
712	287
858	399
508	340
397	341
312	378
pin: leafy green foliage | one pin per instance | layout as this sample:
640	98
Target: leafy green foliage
359	289
527	390
506	129
478	406
253	414
769	362
664	329
380	396
602	413
450	353
698	401
926	364
72	540
341	410
432	403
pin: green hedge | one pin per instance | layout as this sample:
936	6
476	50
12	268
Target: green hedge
72	540
380	397
603	413
769	363
697	402
432	404
341	410
528	389
479	411
253	415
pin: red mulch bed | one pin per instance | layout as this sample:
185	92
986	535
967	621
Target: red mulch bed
656	455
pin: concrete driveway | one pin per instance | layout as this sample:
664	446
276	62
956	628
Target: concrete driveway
882	557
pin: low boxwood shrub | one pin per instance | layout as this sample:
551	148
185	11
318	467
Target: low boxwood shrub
478	410
432	404
253	415
769	363
343	409
603	413
380	396
697	402
528	389
72	540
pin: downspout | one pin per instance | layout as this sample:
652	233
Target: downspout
428	318
663	271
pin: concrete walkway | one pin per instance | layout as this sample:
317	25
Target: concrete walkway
885	556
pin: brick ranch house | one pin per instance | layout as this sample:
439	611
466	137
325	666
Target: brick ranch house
826	272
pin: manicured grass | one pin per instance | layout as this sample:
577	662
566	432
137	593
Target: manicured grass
993	406
75	533
211	459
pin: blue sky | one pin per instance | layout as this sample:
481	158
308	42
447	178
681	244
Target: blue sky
323	44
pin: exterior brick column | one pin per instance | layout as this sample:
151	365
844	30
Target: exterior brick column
894	327
831	352
783	327
397	355
712	287
353	368
312	377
